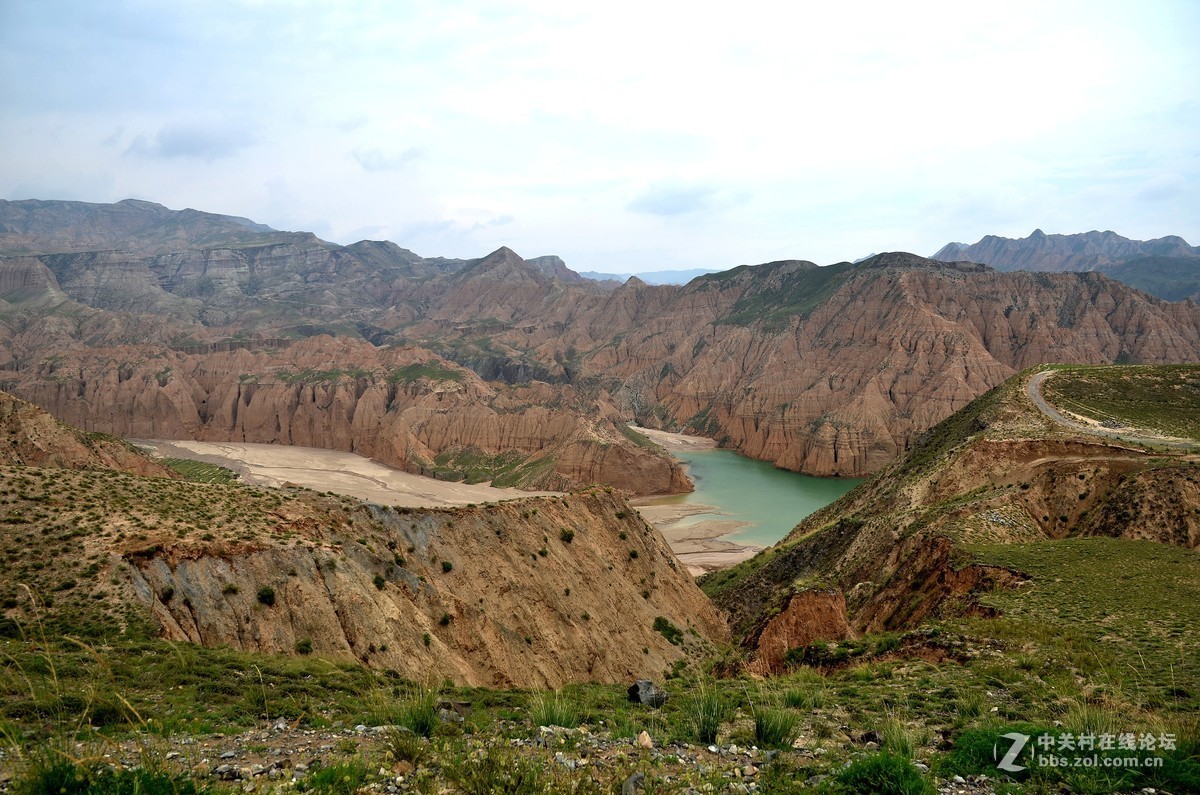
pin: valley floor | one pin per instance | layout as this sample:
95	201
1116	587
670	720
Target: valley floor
332	470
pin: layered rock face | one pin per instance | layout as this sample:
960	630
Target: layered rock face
31	437
501	615
828	370
995	472
403	407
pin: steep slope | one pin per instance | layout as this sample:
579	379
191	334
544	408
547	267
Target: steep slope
535	592
31	437
896	549
829	370
401	406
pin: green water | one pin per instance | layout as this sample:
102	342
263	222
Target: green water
772	501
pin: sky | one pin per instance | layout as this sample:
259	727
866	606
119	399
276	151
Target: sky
621	136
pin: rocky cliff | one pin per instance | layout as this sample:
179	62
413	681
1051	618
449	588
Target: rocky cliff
829	370
996	472
528	593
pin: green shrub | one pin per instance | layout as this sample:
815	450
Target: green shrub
447	566
343	778
664	627
882	774
567	535
266	596
379	581
304	646
497	770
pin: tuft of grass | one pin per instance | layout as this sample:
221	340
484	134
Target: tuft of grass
554	710
704	714
882	774
774	727
419	714
344	778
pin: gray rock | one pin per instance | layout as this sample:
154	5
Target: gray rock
645	692
633	784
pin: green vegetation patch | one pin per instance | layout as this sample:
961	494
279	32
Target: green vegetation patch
1130	608
794	294
1160	398
200	472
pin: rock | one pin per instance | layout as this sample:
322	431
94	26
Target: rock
633	784
645	692
643	740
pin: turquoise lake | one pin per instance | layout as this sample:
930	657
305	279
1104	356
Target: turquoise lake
772	501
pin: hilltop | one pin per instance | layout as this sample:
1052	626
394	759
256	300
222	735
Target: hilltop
997	484
1166	267
873	353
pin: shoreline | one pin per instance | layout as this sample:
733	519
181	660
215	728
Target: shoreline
702	546
332	470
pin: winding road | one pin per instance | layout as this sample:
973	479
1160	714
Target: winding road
1033	388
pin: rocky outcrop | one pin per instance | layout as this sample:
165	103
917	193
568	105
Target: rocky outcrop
31	437
403	407
996	472
808	617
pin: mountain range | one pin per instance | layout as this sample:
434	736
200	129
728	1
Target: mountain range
1166	267
210	327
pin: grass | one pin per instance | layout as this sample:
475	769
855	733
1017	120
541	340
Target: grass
200	472
554	710
1160	398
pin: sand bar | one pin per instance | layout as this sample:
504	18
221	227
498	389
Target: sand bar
332	470
675	441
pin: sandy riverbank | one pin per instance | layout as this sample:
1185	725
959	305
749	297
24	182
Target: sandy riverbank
332	470
699	544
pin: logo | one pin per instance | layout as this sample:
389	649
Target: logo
1008	762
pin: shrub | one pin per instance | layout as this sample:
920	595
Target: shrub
379	582
445	619
304	646
664	627
447	566
883	774
229	589
266	595
567	535
633	553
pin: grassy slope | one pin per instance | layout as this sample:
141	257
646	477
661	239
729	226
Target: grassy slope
1165	398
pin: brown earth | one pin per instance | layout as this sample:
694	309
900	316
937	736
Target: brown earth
33	438
997	472
833	370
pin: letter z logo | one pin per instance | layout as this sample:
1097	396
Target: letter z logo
1007	763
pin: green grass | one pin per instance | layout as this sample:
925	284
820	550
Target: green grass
200	472
1160	398
1126	612
796	294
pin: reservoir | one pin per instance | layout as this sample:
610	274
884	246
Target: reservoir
768	500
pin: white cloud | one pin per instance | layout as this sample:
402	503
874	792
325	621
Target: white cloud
655	133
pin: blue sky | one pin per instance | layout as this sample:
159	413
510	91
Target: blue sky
622	135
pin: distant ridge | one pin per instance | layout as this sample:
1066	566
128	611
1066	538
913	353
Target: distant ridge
1166	267
651	277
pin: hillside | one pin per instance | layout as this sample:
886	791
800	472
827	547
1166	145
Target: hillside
872	353
519	593
935	532
1167	268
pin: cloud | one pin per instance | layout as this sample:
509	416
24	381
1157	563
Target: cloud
378	160
672	200
190	141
